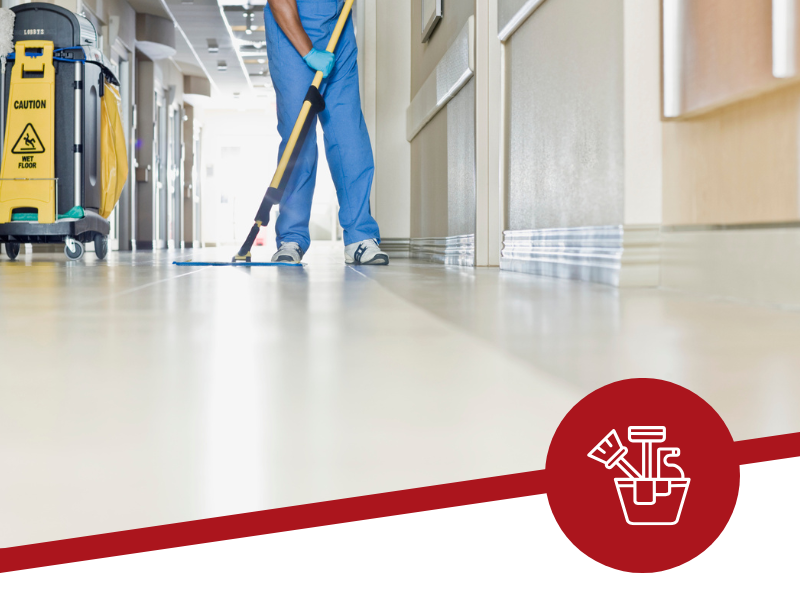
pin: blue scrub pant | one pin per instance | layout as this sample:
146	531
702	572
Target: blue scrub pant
347	145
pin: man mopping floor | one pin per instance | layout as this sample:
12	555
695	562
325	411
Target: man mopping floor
294	28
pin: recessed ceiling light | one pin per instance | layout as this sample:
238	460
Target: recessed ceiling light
213	47
222	65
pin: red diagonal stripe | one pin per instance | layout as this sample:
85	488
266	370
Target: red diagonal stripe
272	521
325	513
764	449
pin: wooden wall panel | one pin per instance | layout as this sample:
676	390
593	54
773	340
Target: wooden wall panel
715	52
738	164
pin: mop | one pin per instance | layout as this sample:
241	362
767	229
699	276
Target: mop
312	106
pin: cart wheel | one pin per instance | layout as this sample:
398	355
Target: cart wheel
73	249
100	245
12	250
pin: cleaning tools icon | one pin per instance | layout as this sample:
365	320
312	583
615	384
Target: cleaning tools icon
611	453
652	498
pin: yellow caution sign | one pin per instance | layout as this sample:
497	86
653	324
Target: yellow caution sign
29	142
28	172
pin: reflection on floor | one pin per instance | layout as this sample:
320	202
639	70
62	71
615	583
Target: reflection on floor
137	393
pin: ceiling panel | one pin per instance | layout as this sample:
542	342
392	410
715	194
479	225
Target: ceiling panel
222	26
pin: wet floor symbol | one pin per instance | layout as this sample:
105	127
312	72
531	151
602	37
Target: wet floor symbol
28	142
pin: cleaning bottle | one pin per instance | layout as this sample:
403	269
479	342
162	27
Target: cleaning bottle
667	469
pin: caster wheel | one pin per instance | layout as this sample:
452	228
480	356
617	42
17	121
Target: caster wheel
100	245
12	250
73	249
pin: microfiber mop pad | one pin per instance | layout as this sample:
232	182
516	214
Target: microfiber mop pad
7	17
190	263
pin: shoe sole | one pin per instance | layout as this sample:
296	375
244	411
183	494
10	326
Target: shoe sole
286	259
381	259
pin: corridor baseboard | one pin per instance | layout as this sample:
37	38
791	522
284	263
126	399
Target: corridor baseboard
748	263
456	250
623	256
396	247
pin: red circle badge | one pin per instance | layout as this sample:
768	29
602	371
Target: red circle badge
642	476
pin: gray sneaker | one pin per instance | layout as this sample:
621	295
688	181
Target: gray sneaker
289	252
366	252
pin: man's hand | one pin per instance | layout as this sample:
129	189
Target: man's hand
288	19
320	60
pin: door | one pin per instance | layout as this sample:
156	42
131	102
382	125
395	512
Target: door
175	177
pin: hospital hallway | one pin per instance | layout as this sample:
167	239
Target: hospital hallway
137	393
557	197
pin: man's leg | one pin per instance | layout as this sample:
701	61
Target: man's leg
291	79
347	145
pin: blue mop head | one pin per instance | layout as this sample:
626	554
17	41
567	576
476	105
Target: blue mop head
190	263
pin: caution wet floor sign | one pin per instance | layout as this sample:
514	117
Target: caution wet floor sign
29	142
27	179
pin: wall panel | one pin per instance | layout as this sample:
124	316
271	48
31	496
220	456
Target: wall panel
566	122
425	57
461	188
738	164
429	179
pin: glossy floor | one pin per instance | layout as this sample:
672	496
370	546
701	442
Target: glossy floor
137	393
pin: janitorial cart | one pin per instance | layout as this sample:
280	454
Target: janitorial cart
64	159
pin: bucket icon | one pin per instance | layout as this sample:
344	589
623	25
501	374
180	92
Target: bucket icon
651	497
652	501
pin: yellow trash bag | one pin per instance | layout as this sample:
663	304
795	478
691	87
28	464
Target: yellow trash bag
114	153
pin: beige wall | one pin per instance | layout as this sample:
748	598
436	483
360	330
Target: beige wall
121	13
732	157
738	164
104	10
643	143
429	149
718	51
393	92
566	116
425	57
429	179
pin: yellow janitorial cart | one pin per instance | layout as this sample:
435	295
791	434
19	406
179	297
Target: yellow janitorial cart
64	159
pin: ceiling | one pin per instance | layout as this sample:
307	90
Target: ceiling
212	39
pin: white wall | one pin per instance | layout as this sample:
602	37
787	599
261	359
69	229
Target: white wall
239	152
393	93
239	156
643	151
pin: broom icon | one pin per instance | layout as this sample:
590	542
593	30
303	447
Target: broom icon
611	453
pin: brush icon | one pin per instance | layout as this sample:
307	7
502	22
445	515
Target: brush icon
611	453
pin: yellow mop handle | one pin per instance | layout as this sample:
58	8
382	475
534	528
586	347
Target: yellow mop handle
298	126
